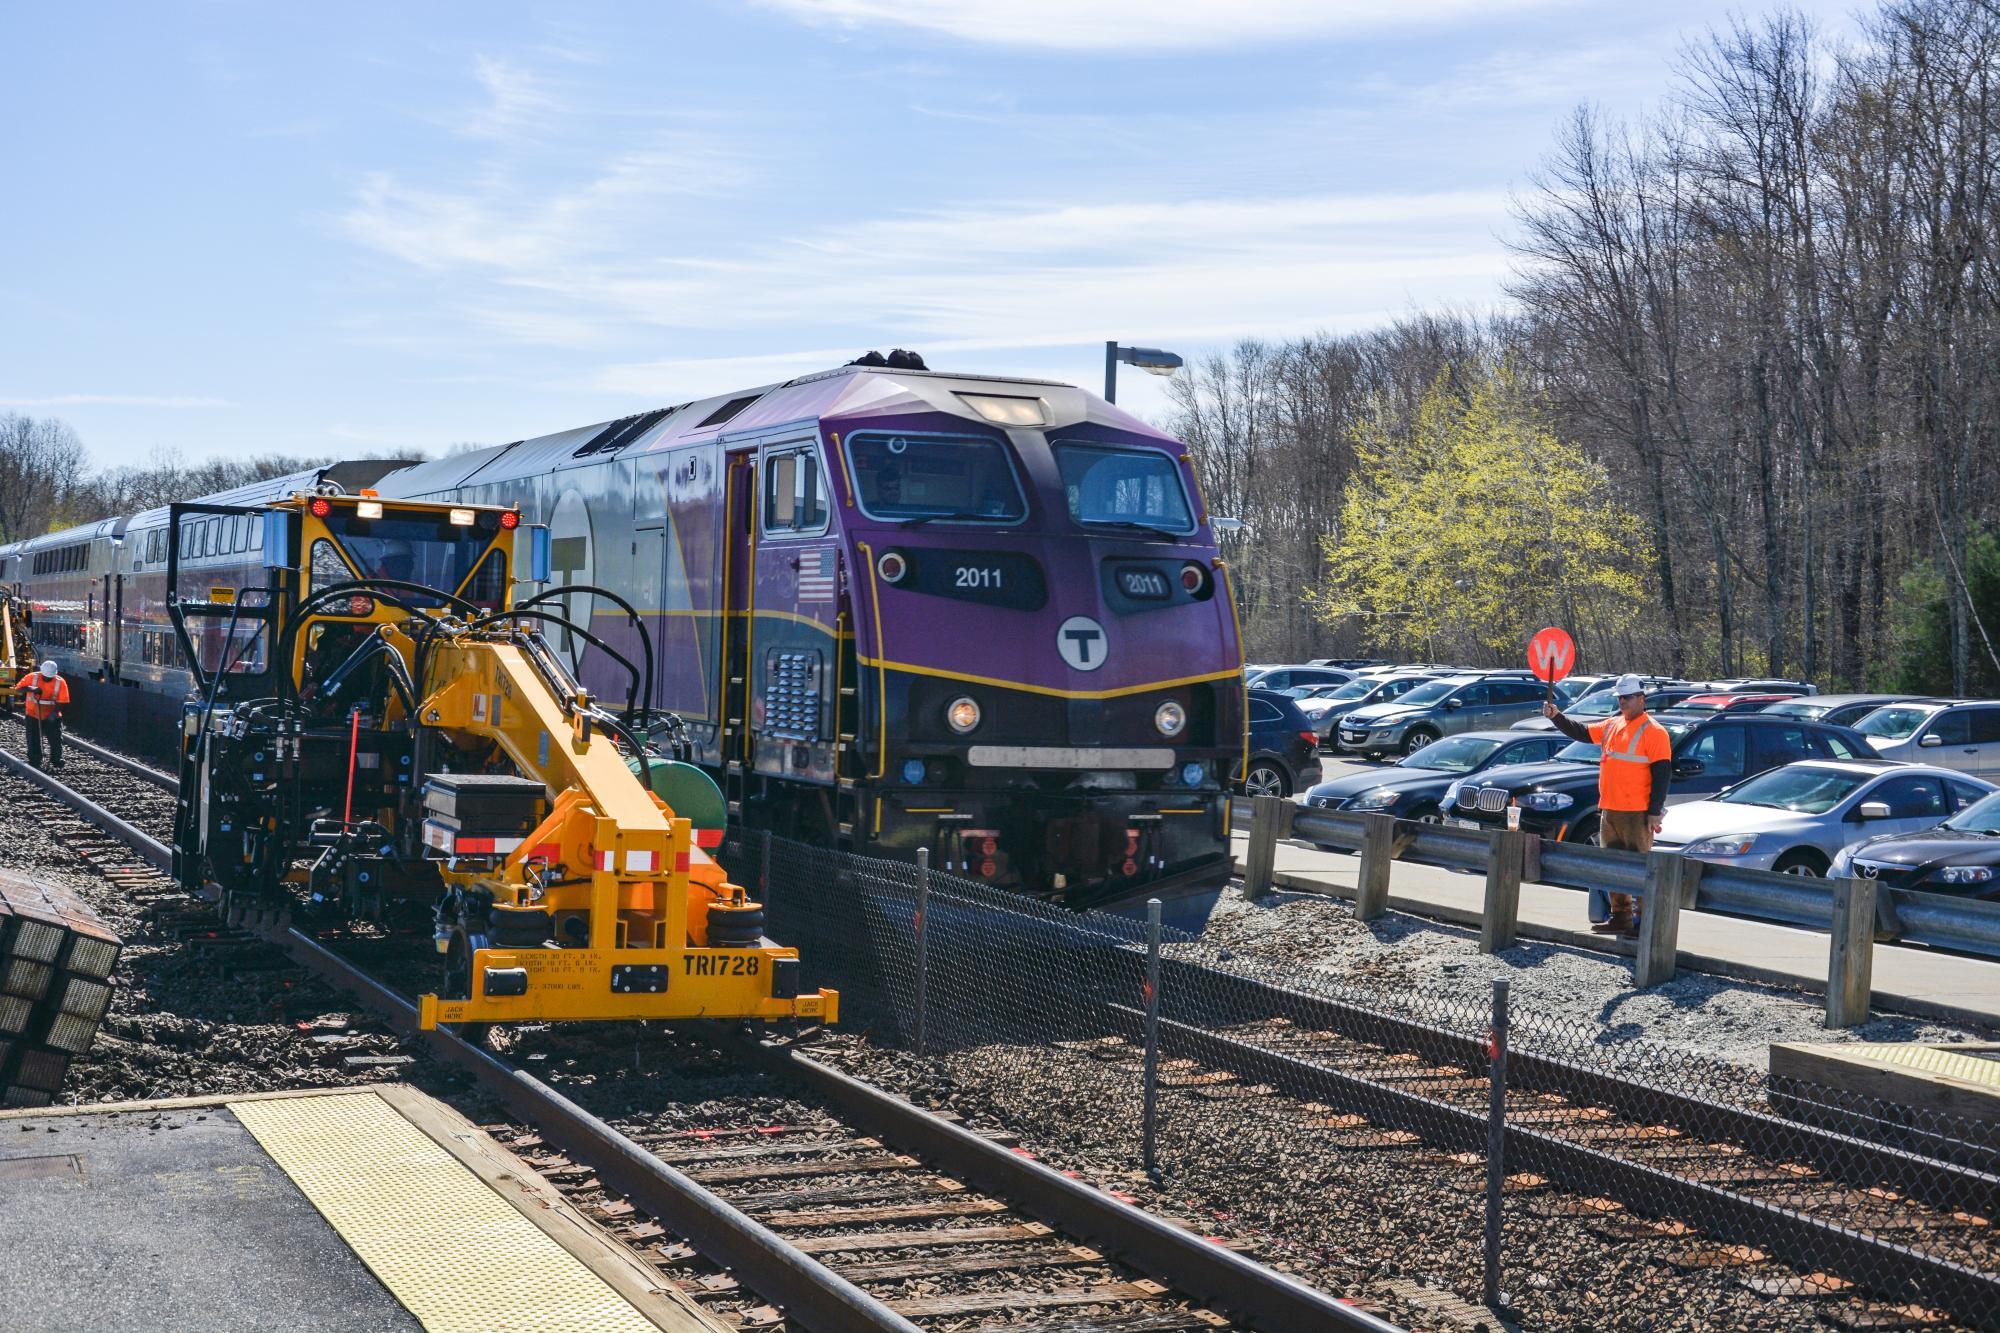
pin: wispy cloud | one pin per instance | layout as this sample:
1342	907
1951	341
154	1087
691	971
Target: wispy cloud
519	103
176	401
1159	25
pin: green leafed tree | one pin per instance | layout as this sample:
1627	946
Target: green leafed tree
1468	525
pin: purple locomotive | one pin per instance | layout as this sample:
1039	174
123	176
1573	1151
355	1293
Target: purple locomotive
901	609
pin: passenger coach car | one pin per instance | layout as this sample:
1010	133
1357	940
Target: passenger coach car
897	610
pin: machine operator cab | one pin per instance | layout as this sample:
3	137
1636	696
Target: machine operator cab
378	723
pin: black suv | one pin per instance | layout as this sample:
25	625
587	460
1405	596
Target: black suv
1284	749
1711	751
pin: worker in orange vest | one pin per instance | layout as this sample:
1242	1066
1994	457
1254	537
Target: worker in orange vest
47	694
1635	765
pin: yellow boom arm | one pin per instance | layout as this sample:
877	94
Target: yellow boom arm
610	861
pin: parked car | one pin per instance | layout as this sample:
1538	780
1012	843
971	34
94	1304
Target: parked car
1761	685
1796	819
1284	677
1955	733
1572	690
1325	712
1284	749
1842	710
1961	856
1725	703
1349	663
1414	787
1559	799
1602	704
1439	708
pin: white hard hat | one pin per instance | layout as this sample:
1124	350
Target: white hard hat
49	670
1628	684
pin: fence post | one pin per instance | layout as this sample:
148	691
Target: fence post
921	925
1850	963
1670	879
1378	849
1504	859
1152	1035
1268	823
1496	1144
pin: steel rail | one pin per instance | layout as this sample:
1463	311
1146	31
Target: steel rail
144	772
1808	1242
810	1293
1209	1272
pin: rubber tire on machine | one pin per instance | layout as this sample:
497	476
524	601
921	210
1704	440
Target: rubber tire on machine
1802	863
1276	784
1418	738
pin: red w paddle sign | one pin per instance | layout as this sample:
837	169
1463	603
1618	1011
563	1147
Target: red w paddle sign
1551	654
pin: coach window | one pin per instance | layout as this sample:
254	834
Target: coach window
794	492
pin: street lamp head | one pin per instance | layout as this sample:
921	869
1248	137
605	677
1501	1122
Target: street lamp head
1150	359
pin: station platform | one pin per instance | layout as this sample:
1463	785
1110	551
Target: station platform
1907	979
346	1209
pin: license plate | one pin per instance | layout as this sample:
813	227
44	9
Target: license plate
1465	823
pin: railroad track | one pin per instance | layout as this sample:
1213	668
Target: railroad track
863	1211
1879	1236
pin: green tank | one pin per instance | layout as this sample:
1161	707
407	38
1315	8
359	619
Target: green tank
691	792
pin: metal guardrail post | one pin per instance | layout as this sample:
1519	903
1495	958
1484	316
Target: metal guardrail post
1270	820
921	935
1378	849
1496	1144
1148	1138
1850	963
1499	923
1670	882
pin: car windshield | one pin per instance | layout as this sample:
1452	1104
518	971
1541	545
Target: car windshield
1123	486
1429	694
1459	754
1690	706
1981	816
1805	708
1570	690
1602	704
410	549
1798	787
1354	689
1893	723
1580	752
927	477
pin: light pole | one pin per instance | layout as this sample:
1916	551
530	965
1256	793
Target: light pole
1149	359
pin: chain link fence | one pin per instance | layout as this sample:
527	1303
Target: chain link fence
1846	1191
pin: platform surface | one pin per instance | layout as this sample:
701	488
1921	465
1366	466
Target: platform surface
1908	979
341	1211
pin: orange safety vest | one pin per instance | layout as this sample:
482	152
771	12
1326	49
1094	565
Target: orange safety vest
44	695
1624	774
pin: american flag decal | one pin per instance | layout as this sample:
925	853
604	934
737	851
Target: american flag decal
816	575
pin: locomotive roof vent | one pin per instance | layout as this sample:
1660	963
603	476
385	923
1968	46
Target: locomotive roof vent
617	434
727	411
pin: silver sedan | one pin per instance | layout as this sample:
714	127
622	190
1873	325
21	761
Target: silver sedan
1796	819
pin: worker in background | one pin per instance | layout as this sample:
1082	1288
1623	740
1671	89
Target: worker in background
46	695
1632	777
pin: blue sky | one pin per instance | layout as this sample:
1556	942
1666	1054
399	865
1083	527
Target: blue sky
237	227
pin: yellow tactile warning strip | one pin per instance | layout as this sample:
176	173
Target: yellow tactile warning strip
457	1255
1976	1064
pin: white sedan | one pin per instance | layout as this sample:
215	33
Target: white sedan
1796	819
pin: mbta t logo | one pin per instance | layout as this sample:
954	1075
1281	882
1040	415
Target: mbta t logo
1082	644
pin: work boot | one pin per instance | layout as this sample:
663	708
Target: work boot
1629	929
1621	923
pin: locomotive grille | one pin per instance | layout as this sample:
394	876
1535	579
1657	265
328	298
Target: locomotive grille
791	695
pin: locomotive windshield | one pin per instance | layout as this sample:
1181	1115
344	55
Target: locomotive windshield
959	479
1123	487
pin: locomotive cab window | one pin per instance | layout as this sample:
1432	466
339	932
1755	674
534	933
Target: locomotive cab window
1108	487
936	478
794	492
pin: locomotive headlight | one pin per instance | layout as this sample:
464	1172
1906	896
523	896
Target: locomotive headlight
1193	773
913	771
1170	718
963	714
892	566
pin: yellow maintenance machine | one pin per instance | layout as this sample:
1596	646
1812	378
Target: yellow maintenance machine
378	724
17	649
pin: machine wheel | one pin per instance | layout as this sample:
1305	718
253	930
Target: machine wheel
457	983
1801	861
1418	738
1266	779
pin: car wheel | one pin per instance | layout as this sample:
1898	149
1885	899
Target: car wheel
1418	739
1801	862
1266	779
1428	814
1585	830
